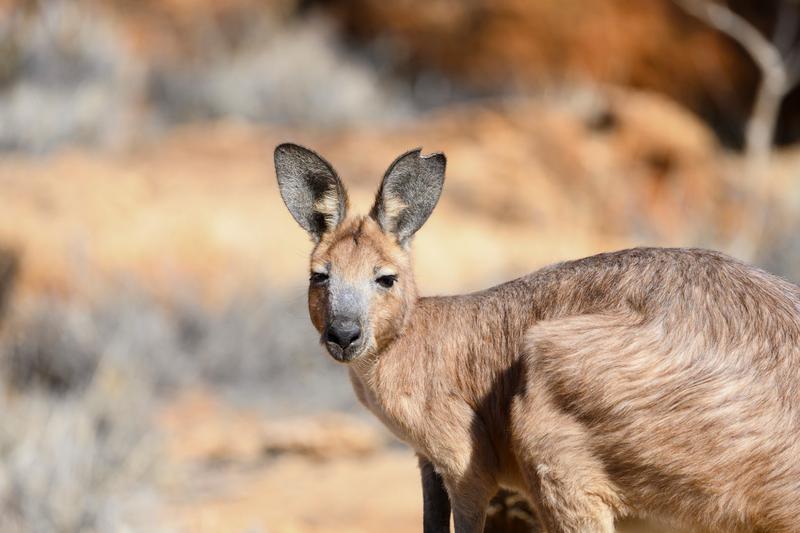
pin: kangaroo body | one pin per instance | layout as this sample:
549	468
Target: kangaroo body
669	378
646	382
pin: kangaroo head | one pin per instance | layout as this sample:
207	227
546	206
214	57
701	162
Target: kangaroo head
361	290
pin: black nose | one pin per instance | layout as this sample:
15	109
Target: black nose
343	332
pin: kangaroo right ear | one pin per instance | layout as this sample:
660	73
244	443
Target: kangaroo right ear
310	189
408	194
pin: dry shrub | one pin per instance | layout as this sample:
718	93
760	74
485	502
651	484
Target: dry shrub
52	350
82	462
65	76
260	343
293	73
9	269
110	74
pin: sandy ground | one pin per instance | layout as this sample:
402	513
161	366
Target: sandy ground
296	495
230	469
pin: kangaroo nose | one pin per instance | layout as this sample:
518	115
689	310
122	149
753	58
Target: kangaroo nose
343	332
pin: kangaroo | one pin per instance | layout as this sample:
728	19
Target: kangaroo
646	382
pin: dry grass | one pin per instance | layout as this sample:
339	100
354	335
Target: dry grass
82	462
111	74
528	183
80	446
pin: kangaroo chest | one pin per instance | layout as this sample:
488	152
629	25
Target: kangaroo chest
443	431
405	412
397	414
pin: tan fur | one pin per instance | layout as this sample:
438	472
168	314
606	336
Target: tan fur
393	206
328	206
651	382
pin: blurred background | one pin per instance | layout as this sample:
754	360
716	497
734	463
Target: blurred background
158	371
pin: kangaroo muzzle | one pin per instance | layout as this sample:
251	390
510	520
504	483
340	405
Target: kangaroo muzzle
342	337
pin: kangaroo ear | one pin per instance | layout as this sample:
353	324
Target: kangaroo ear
408	194
310	189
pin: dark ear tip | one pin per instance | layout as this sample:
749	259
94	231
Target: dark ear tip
286	147
436	160
435	156
289	148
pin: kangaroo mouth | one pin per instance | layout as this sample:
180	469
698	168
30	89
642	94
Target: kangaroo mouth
344	355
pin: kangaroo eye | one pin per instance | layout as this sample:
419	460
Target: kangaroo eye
318	278
386	281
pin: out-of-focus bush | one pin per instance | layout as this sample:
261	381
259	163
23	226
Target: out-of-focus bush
80	382
66	75
292	73
509	46
52	350
9	269
260	343
82	462
90	73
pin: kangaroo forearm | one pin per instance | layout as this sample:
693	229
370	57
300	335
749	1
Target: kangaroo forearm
436	503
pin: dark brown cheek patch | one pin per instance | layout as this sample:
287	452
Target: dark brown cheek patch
316	308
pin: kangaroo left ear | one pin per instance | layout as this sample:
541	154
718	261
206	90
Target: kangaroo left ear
310	189
409	192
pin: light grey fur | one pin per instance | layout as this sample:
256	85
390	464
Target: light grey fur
349	299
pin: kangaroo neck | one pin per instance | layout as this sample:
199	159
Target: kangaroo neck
448	336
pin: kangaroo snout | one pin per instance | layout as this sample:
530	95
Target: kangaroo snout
341	336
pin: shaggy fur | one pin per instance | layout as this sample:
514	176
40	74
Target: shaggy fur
647	382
